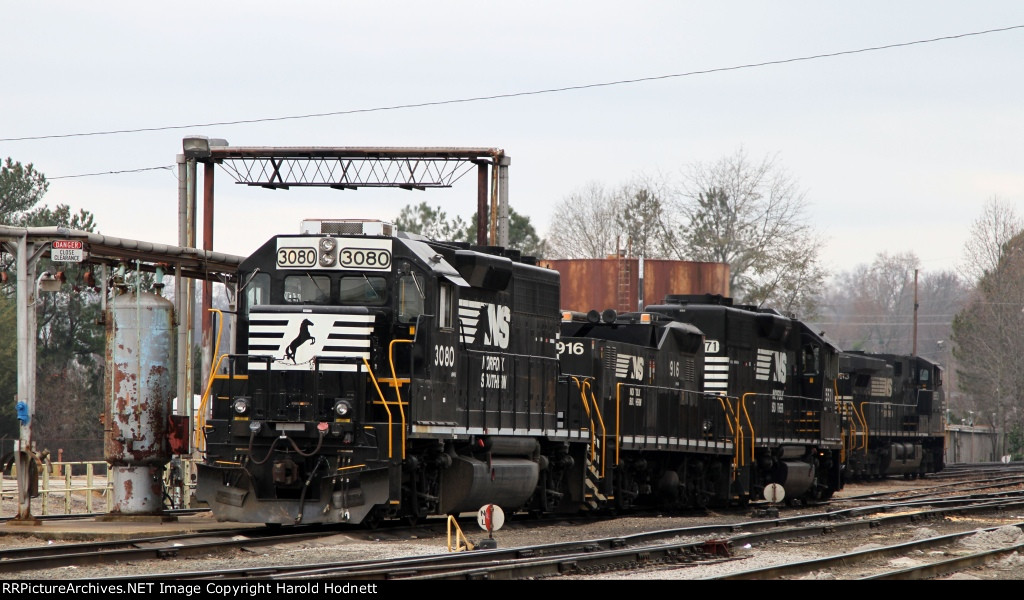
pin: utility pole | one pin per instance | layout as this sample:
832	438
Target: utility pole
914	352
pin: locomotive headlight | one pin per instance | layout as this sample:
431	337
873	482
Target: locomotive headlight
342	408
328	252
706	426
240	405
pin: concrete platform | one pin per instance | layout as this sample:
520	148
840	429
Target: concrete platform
108	527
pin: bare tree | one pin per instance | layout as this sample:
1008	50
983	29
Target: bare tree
644	220
840	315
997	224
987	340
873	305
585	224
871	308
752	216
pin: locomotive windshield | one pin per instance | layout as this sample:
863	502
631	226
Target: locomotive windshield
257	290
362	289
307	289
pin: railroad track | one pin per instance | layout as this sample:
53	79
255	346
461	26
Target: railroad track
661	549
62	555
946	557
666	549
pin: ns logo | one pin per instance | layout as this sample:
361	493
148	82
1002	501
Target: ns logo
771	366
484	323
629	367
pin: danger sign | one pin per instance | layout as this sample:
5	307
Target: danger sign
67	251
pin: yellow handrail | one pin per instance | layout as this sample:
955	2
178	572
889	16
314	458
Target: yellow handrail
859	417
383	401
398	388
743	408
867	433
586	407
600	420
201	418
729	412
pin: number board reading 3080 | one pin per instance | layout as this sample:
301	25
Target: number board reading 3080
339	253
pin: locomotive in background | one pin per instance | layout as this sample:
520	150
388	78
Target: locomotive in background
379	375
894	415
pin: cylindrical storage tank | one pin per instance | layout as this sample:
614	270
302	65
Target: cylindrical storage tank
139	390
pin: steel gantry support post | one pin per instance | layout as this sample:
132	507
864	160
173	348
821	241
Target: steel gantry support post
503	162
206	317
179	288
481	203
25	406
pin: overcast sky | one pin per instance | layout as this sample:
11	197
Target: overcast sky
897	149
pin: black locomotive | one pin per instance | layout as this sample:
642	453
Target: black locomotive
776	378
382	375
893	407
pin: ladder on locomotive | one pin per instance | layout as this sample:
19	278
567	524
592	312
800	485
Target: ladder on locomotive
595	461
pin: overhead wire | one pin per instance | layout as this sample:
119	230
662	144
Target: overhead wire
521	94
112	172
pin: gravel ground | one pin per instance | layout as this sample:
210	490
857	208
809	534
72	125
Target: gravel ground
345	547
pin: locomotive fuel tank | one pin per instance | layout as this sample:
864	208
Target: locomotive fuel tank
506	474
796	477
904	458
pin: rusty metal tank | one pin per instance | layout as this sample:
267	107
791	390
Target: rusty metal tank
627	283
139	390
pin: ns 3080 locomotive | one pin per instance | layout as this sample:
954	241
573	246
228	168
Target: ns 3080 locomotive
381	375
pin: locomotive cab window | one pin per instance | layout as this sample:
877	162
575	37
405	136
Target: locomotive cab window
362	289
307	289
810	360
257	291
444	306
410	297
